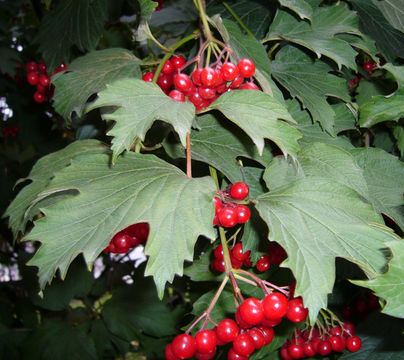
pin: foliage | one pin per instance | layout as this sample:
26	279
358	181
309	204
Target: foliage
320	144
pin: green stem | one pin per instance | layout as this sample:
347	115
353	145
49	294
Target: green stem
226	252
158	43
213	175
231	11
204	19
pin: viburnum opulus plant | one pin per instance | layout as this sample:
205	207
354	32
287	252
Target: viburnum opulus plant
246	154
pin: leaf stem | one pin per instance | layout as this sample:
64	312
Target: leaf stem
202	13
189	163
158	43
213	175
241	23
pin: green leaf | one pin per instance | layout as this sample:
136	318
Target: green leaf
139	188
399	135
90	74
245	46
384	174
71	23
315	221
258	115
398	73
382	338
146	9
140	104
219	144
300	7
137	308
393	11
389	285
310	82
319	36
9	58
200	269
46	340
381	109
19	211
389	40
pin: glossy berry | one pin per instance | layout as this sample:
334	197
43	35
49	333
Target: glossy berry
246	67
285	353
42	67
122	242
369	65
209	77
239	191
182	82
275	306
268	333
251	311
196	76
168	67
165	81
177	95
169	353
232	355
263	263
349	329
148	77
324	347
178	61
257	337
237	252
205	341
296	351
33	78
42	89
243	345
249	86
227	217
218	252
39	97
227	330
229	71
207	93
31	67
296	310
353	343
183	346
309	349
44	80
218	265
205	356
235	263
337	344
243	214
236	83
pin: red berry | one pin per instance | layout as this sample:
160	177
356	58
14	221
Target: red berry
31	67
196	99
168	67
165	81
148	77
309	349
235	263
122	242
169	353
236	83
218	204
337	343
232	355
324	347
227	330
44	80
237	252
218	252
177	95
178	61
336	330
369	65
296	310
207	93
268	333
33	78
42	67
263	263
275	306
243	214
257	337
243	345
354	343
205	356
239	191
183	346
42	89
227	217
218	265
249	86
229	71
182	82
251	311
276	253
39	97
349	329
285	353
208	77
205	341
246	67
296	351
196	76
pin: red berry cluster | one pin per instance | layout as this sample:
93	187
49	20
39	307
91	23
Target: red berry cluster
313	342
237	256
37	76
361	306
369	66
227	212
204	85
128	238
276	254
251	330
10	131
